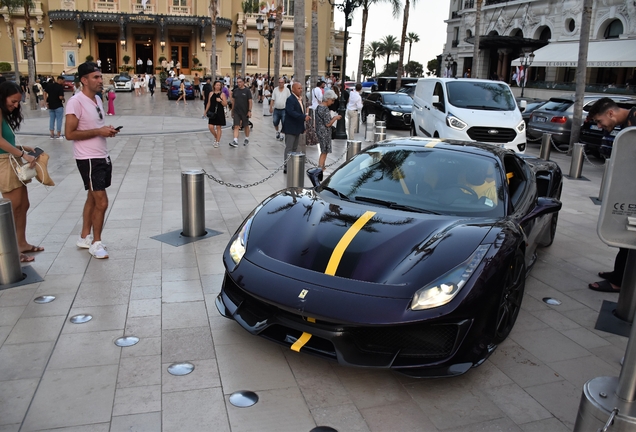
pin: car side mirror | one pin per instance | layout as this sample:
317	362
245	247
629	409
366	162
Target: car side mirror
523	104
315	176
545	205
435	99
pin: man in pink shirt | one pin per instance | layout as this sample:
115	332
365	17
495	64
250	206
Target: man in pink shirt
85	126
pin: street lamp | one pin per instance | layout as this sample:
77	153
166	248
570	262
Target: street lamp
347	6
238	41
163	44
267	34
449	62
79	40
526	61
122	42
203	45
329	60
30	40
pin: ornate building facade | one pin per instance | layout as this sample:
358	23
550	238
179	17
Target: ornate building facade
178	30
549	30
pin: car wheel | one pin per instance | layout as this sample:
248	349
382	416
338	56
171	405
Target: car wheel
511	297
413	131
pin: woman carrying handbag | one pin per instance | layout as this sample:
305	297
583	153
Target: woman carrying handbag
11	157
215	111
324	121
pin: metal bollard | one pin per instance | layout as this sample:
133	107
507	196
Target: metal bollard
369	127
193	203
603	183
353	148
576	166
546	146
296	170
10	270
380	123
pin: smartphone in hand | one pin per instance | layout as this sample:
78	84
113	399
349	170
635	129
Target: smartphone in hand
36	152
118	127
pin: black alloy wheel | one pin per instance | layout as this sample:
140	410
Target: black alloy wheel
511	297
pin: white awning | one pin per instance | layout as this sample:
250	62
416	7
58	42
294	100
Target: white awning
615	53
252	44
288	46
336	51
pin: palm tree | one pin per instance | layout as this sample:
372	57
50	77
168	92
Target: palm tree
373	50
411	38
405	23
30	54
314	43
388	47
397	4
247	7
277	30
214	13
299	41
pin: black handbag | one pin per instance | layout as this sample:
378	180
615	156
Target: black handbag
212	114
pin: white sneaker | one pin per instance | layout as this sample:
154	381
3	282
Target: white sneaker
98	250
84	243
216	144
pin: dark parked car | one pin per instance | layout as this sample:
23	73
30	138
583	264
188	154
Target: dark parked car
165	85
596	141
532	104
394	108
123	83
69	82
412	256
173	92
555	117
408	89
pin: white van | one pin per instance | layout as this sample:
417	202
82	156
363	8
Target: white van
469	110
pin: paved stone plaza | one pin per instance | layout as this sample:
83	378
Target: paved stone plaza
55	375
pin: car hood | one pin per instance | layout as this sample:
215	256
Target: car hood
400	108
299	230
485	118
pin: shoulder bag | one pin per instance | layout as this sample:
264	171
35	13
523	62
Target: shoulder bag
311	137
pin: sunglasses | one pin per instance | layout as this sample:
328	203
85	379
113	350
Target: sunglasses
101	117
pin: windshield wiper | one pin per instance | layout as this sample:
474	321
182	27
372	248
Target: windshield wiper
487	108
333	191
393	205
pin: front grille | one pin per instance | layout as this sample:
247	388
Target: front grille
429	341
485	134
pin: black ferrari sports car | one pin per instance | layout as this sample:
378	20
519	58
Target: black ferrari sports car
412	256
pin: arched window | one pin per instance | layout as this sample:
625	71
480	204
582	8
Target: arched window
613	30
493	33
546	34
517	33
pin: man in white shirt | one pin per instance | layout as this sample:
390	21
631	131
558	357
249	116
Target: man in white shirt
353	109
148	67
277	105
316	94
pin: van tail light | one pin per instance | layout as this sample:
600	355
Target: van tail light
559	119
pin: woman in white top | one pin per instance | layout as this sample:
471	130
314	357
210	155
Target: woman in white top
266	97
137	86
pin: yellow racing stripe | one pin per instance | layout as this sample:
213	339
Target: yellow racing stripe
342	245
302	340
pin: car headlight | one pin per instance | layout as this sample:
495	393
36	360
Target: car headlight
237	248
396	114
454	122
521	126
446	287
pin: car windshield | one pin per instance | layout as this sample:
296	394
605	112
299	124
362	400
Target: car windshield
425	180
558	105
398	99
69	77
121	78
481	95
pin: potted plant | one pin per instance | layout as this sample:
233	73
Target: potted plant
162	79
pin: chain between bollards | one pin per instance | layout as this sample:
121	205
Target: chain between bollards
245	186
312	163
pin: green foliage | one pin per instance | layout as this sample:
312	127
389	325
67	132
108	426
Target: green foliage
389	46
414	69
161	58
89	58
367	68
251	6
126	59
196	61
163	75
5	67
390	69
432	66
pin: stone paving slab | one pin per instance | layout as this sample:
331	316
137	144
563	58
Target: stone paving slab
55	375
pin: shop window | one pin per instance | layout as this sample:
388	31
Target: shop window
288	54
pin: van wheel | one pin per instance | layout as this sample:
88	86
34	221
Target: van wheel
413	131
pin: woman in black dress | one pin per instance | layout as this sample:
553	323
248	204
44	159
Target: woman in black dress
216	104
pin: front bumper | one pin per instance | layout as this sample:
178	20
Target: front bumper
432	348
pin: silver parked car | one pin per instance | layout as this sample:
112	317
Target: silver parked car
555	117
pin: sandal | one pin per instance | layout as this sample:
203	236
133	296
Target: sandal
605	275
25	258
33	249
603	286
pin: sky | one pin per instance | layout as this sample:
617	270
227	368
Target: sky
426	19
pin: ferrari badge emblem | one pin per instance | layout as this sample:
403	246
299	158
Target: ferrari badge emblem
303	293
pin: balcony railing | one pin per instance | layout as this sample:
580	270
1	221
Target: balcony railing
106	6
492	2
138	8
288	20
35	9
179	10
469	4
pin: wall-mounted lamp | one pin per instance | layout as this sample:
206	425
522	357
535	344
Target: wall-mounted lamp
163	45
122	42
79	40
203	45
